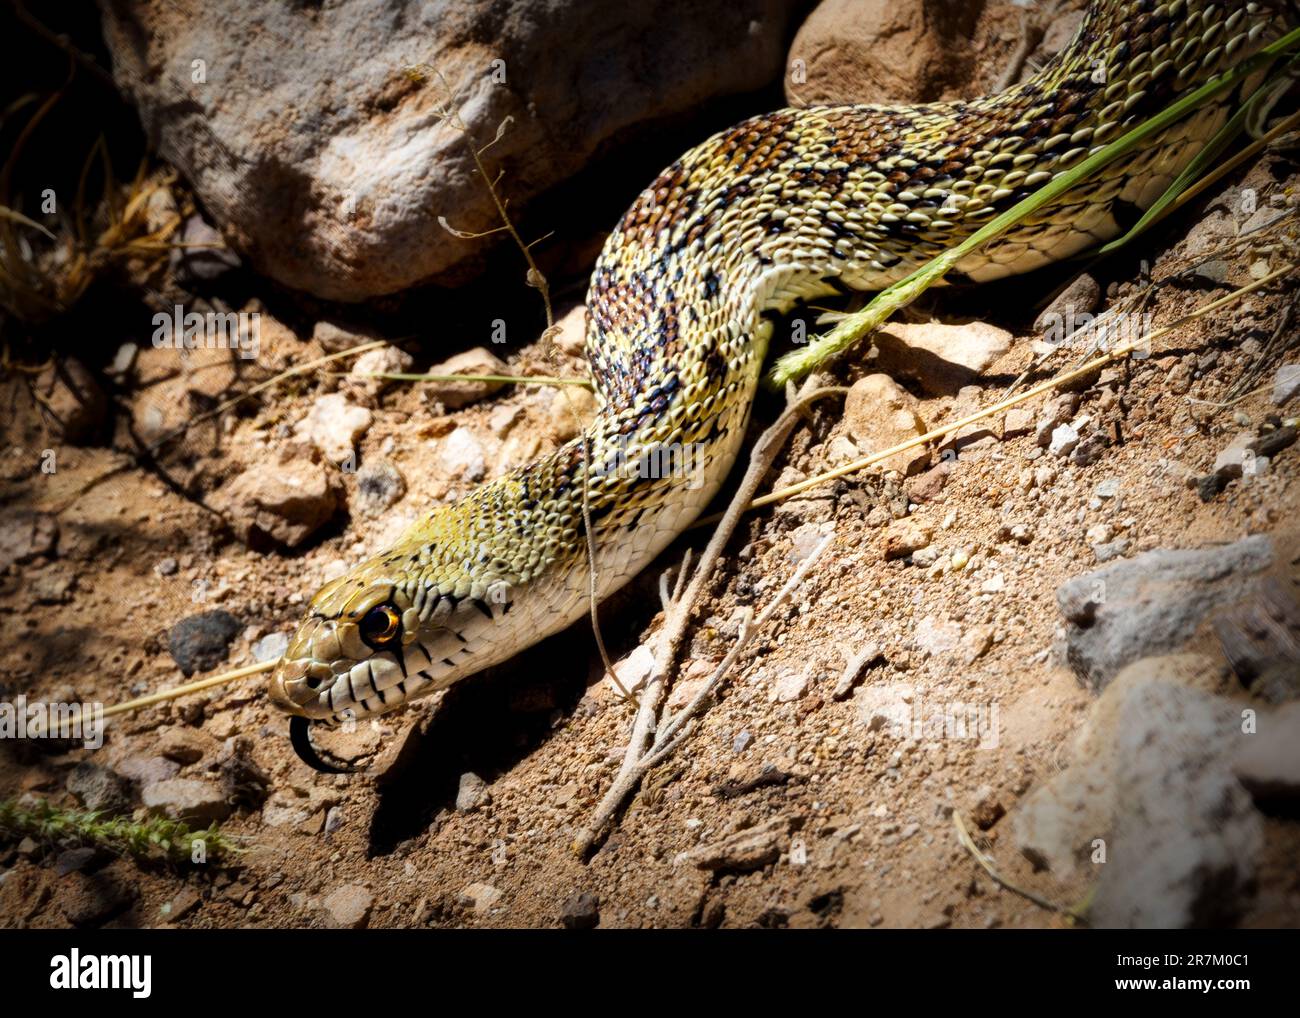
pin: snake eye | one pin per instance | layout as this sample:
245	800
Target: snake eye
380	626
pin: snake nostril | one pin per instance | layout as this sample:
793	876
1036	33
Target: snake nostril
313	681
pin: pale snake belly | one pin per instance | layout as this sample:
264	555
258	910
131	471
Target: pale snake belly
777	210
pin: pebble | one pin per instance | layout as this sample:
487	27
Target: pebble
460	454
1108	488
580	911
741	742
480	897
379	486
100	789
1286	384
348	907
334	426
934	635
454	395
270	647
201	642
471	793
199	803
1063	441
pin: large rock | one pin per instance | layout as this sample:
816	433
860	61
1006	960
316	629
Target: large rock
1149	807
883	51
1152	603
280	506
315	136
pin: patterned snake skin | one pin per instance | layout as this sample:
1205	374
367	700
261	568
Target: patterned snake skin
775	211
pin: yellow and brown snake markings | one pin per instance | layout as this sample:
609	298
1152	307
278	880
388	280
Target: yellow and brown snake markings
777	210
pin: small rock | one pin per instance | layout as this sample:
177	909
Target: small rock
460	454
181	904
1268	764
570	335
903	537
791	686
750	849
987	810
580	911
100	789
976	643
283	507
936	636
335	338
202	255
74	860
1070	311
471	793
385	360
479	897
202	641
87	900
1286	384
348	907
25	536
185	745
879	414
379	486
334	426
1019	421
1108	488
454	395
741	742
198	803
1064	439
270	647
940	358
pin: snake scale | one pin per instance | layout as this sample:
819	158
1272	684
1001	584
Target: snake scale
775	211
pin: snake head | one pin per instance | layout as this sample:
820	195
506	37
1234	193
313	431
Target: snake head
378	637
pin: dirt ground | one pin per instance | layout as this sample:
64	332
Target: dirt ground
861	814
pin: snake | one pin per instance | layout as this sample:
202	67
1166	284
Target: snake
779	210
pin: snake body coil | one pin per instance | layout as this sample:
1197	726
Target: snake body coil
777	210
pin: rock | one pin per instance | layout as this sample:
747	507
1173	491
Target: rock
202	641
1230	460
1018	421
1070	311
73	400
791	686
1286	384
1152	603
976	643
203	256
929	485
454	395
571	409
471	793
580	911
317	137
1186	836
100	789
850	51
334	426
807	538
185	745
570	336
89	900
1058	412
348	907
479	897
283	507
270	647
1063	441
634	671
1108	488
198	803
1111	549
25	536
1261	634
1149	784
902	537
942	359
380	485
386	360
461	455
936	636
74	860
181	904
1089	450
879	414
145	770
746	850
1268	762
335	338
